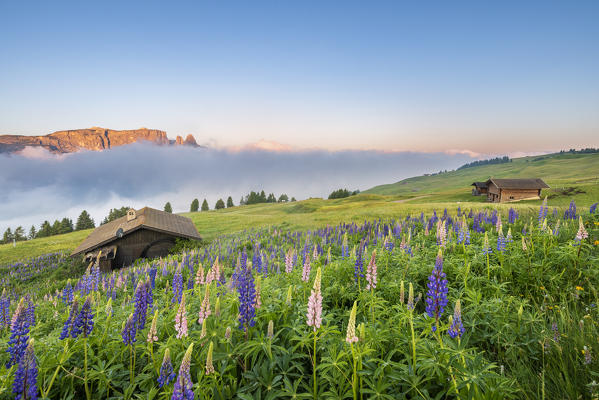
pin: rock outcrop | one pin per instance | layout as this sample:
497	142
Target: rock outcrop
95	138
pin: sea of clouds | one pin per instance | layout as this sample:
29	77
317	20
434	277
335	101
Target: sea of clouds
37	186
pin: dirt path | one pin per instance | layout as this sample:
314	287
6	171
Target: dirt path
410	199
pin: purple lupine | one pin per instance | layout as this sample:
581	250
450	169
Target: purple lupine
84	323
19	334
486	246
4	309
128	333
543	212
152	274
141	305
25	382
593	208
166	370
247	295
183	384
306	269
177	286
501	242
68	324
556	335
437	291
570	213
30	311
456	328
67	293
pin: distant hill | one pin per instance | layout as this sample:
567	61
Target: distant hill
569	175
95	138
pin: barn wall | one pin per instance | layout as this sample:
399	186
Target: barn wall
131	246
518	194
493	193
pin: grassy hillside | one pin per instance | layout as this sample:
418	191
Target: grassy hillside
305	214
560	171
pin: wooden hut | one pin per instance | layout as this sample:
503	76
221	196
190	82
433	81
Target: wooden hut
501	190
144	233
479	188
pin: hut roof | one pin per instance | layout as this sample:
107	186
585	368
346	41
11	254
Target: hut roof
530	183
479	184
147	218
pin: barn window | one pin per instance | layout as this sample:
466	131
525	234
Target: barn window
511	197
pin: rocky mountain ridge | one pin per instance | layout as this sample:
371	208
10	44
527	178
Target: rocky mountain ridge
96	139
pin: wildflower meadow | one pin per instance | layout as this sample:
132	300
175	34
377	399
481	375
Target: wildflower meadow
467	304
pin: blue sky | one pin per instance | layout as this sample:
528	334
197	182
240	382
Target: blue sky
490	77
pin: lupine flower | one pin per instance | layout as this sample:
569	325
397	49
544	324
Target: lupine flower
441	233
228	333
509	238
437	291
181	319
327	260
314	315
153	332
524	248
512	216
498	223
344	247
401	292
410	296
205	308
270	330
501	243
586	352
19	335
25	382
67	293
183	384
371	272
141	305
570	213
582	232
456	328
217	307
289	294
4	309
556	335
166	370
351	326
289	260
177	286
84	322
209	366
129	331
258	302
543	211
68	324
486	247
203	331
306	269
593	208
200	275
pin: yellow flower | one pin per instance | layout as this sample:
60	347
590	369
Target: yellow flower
542	287
596	242
579	288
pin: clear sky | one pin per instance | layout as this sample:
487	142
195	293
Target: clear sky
491	77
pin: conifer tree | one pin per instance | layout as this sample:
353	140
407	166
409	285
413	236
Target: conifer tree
220	204
230	202
195	205
205	206
84	221
168	208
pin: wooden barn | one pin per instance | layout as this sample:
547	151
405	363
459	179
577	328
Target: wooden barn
501	190
479	188
144	233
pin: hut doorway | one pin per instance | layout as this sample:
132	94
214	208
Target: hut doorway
158	248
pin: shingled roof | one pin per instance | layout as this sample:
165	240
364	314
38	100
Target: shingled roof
531	183
147	218
479	184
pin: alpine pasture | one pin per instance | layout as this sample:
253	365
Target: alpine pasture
388	301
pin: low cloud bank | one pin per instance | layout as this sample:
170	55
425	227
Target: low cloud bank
36	187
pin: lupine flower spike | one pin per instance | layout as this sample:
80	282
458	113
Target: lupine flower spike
209	366
153	332
25	382
437	291
166	370
314	315
582	232
205	308
183	385
456	328
181	319
371	272
351	326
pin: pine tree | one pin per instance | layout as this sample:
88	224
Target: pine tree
56	227
205	206
293	199
168	208
8	236
195	205
19	234
115	213
220	204
66	225
283	198
230	202
45	230
84	221
32	232
271	198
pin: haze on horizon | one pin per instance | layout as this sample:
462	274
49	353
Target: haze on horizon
497	78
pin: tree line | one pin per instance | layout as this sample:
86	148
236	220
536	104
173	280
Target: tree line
84	221
251	198
496	160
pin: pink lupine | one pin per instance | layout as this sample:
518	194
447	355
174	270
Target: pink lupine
306	270
582	233
153	333
205	308
200	276
258	302
181	319
351	326
289	261
314	315
371	272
